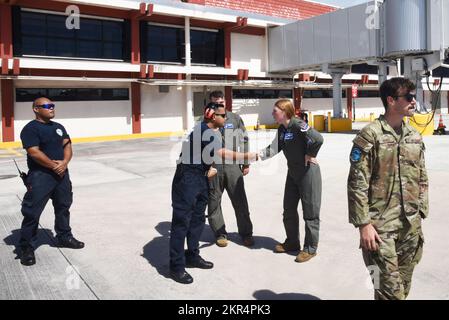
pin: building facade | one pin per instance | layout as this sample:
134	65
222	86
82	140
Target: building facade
123	67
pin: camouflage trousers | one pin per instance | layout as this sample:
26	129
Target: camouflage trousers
391	267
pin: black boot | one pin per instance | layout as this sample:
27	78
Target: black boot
27	257
71	243
181	277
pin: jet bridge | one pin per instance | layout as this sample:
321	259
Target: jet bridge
378	33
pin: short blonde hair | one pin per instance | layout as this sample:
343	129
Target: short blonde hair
287	106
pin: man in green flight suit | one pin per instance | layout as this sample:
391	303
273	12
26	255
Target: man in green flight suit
230	177
388	192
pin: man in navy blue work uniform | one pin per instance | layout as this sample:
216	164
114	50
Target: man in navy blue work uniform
200	151
49	151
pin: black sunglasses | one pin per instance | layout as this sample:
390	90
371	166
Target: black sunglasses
409	97
223	115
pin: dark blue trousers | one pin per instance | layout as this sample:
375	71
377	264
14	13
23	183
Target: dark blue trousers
189	200
43	186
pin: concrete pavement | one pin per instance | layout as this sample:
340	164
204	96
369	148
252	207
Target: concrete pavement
122	211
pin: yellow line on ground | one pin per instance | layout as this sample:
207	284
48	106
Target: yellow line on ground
17	144
14	152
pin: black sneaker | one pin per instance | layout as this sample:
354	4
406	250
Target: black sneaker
27	257
70	243
181	277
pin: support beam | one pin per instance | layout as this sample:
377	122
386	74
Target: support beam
447	94
7	105
136	107
6	49
383	72
336	80
135	41
227	49
228	98
190	121
297	99
349	103
241	22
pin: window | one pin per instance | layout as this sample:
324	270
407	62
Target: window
166	44
72	94
321	94
46	34
369	94
261	94
204	45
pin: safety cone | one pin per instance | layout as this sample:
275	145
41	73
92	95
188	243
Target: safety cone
441	127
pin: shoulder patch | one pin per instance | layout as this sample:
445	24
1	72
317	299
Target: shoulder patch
362	143
356	154
303	126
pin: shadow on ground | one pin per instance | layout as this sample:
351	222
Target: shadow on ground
270	295
43	237
156	251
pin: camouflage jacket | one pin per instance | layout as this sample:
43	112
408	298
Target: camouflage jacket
387	183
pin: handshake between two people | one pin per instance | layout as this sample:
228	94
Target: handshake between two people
235	156
247	156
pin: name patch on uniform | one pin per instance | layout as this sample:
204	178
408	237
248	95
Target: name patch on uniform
288	136
304	127
229	126
356	154
59	132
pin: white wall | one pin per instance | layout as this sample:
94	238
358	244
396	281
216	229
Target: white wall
444	102
363	106
248	52
252	109
162	112
80	118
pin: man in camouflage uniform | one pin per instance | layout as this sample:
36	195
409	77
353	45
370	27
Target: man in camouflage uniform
388	192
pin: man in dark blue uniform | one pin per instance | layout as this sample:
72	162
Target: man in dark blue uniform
200	151
49	151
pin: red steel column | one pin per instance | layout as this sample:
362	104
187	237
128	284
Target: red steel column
6	50
228	98
349	102
7	102
297	99
136	107
135	41
227	49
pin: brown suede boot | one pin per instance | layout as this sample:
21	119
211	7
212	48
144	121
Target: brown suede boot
283	248
304	256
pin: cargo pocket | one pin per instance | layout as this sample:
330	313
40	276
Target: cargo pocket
419	250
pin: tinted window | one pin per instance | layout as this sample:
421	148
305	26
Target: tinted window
261	94
204	47
165	44
47	35
72	94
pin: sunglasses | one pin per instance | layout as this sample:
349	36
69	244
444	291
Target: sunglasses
223	115
409	97
48	106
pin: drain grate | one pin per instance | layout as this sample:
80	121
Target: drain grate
7	176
